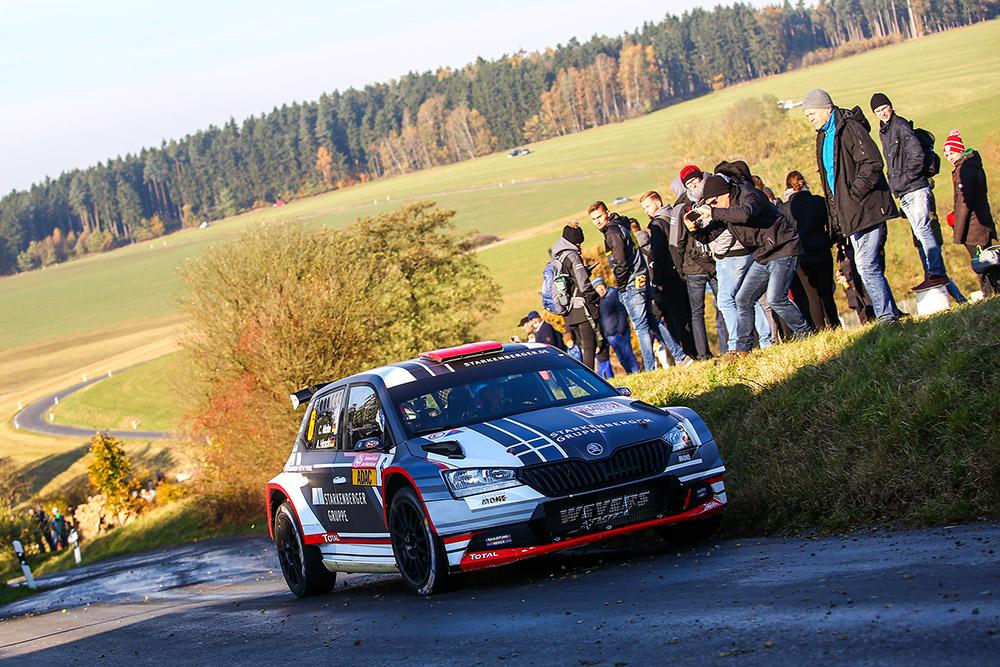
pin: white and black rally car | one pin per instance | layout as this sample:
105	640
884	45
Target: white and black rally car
476	456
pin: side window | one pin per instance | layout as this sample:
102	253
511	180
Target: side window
365	418
324	421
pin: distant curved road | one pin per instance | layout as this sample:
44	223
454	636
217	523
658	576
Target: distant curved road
34	418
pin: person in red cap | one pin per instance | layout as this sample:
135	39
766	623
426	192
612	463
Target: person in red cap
972	219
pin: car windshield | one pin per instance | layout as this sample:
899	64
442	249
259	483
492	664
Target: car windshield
447	402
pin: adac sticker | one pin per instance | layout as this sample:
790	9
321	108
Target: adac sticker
600	409
366	460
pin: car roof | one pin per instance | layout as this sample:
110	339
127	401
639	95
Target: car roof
449	360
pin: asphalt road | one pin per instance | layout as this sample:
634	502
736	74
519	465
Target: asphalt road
34	418
900	598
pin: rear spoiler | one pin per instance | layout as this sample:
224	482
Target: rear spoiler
303	395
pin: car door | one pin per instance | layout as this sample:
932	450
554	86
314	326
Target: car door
362	457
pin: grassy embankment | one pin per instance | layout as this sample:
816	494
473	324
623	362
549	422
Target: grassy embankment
116	309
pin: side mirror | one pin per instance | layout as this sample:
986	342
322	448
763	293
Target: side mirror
368	444
624	391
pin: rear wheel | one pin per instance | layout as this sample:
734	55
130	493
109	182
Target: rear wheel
690	531
419	552
301	563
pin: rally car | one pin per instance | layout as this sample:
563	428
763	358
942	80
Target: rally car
476	456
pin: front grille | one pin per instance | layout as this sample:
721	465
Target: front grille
575	476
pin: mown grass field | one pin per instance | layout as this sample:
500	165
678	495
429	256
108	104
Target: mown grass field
117	309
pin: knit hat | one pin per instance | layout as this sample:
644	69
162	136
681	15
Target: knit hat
817	99
573	234
598	281
878	100
690	171
715	186
954	142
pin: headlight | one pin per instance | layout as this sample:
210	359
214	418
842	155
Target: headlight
471	481
678	438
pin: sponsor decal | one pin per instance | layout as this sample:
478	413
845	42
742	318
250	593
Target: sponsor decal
325	428
603	512
443	434
595	449
320	497
331	537
565	434
600	409
366	460
683	458
371	443
506	357
498	540
364	476
493	500
336	515
484	555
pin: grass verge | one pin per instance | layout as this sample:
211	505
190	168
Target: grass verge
890	425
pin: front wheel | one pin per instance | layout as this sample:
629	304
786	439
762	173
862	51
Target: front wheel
419	554
301	563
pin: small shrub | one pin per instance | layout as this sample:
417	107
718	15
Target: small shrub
110	472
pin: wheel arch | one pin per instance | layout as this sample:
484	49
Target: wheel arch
275	496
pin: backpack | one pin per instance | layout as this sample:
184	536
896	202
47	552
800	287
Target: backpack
932	161
555	288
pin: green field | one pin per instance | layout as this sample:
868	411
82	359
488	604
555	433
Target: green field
121	307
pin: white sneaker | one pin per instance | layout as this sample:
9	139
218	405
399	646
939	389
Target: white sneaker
687	361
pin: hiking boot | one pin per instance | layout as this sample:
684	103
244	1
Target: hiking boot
735	355
929	282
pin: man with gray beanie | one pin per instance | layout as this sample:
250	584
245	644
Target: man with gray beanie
857	194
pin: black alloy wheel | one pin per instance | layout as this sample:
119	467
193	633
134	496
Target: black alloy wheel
418	551
301	564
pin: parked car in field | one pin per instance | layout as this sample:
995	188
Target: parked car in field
621	200
477	456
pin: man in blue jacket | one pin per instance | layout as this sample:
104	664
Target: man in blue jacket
614	319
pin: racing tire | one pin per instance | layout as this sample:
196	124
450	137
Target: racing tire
301	563
419	552
696	530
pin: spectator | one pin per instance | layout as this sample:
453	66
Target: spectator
732	260
642	240
614	319
757	224
669	287
632	279
807	213
60	532
39	529
904	167
585	304
696	266
539	331
858	200
971	219
572	349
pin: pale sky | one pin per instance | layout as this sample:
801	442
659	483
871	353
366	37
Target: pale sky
81	82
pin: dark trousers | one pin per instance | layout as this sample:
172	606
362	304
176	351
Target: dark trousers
586	338
989	282
672	301
813	293
696	296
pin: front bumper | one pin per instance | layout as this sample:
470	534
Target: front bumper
569	522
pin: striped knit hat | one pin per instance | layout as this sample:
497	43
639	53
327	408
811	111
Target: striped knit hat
954	142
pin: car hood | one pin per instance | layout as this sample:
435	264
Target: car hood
588	431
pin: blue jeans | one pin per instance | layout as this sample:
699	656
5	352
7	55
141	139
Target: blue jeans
622	345
774	279
916	207
866	258
639	306
730	272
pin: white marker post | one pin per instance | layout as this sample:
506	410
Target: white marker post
24	565
74	539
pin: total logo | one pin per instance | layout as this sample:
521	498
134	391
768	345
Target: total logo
484	555
331	537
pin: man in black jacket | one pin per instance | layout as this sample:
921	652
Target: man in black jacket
904	165
758	224
632	281
857	194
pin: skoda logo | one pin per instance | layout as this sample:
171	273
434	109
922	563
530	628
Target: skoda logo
595	449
